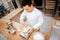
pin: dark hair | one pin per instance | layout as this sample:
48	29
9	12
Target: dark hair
26	2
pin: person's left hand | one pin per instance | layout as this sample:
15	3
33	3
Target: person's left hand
34	29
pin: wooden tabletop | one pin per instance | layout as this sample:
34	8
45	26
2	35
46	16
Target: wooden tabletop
3	26
5	32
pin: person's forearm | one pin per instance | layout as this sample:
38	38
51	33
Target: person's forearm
37	26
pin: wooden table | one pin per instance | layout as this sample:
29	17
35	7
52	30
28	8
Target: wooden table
4	30
3	26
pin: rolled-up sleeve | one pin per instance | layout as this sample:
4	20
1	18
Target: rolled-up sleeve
40	21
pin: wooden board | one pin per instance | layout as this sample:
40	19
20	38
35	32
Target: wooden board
4	30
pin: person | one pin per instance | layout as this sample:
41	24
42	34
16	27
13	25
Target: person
31	16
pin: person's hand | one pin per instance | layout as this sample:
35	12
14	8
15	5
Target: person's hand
22	22
26	32
34	29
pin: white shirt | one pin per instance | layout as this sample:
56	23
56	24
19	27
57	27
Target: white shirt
32	19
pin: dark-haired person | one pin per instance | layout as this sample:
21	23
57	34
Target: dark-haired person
31	15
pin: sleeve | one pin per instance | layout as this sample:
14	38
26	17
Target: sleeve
40	21
22	16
